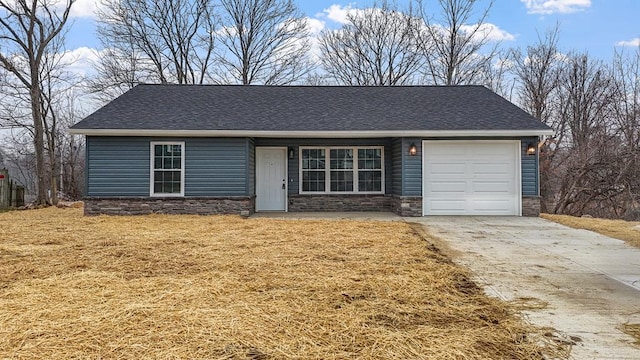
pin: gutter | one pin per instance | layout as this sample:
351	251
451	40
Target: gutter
309	134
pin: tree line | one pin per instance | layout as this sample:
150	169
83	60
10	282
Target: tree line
590	165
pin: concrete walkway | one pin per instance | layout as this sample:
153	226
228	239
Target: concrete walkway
590	282
365	215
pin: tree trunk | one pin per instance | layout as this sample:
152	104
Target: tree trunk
38	139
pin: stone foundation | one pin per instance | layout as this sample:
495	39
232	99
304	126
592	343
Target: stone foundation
531	205
147	205
344	202
408	206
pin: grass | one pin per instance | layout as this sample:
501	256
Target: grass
629	231
222	287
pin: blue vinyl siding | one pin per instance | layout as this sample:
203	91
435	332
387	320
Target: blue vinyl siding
412	175
119	166
530	174
251	166
396	166
215	167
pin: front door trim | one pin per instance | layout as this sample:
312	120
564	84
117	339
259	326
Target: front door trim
286	176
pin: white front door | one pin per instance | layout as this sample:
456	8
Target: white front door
271	179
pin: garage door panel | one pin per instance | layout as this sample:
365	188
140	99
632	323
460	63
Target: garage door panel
447	168
456	206
449	187
479	150
492	187
491	205
460	151
491	169
471	178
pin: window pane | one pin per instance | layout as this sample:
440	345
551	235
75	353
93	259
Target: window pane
313	158
341	158
369	159
313	181
341	181
370	181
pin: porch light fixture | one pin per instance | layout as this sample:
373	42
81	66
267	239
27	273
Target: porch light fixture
413	149
292	153
531	149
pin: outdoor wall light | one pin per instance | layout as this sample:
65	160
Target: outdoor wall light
531	149
292	153
413	149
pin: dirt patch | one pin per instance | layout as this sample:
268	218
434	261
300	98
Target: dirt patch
165	286
618	229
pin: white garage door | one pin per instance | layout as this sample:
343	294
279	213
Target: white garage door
471	178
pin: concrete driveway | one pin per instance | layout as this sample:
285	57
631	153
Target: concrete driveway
590	282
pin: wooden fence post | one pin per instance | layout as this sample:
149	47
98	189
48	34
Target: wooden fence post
4	189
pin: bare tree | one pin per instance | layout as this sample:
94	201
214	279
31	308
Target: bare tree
117	72
262	42
28	29
66	150
496	75
626	71
452	42
537	70
585	106
166	41
538	73
378	46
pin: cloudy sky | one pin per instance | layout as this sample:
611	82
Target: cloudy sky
595	26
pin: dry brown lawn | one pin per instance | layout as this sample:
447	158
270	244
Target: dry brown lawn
633	330
222	287
629	231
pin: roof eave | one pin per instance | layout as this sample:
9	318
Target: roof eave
310	134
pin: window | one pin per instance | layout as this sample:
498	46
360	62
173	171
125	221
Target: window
167	169
341	170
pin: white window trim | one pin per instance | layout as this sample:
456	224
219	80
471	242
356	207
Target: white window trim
152	169
327	178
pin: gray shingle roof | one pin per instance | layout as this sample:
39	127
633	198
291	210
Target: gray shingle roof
307	108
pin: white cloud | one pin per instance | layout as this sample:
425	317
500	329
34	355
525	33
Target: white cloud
80	61
84	8
632	42
555	6
490	32
339	14
80	8
315	26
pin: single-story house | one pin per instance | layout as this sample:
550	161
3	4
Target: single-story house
413	150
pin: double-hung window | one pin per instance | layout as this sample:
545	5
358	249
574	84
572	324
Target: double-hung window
167	169
342	170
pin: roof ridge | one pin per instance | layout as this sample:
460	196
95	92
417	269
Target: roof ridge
310	86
